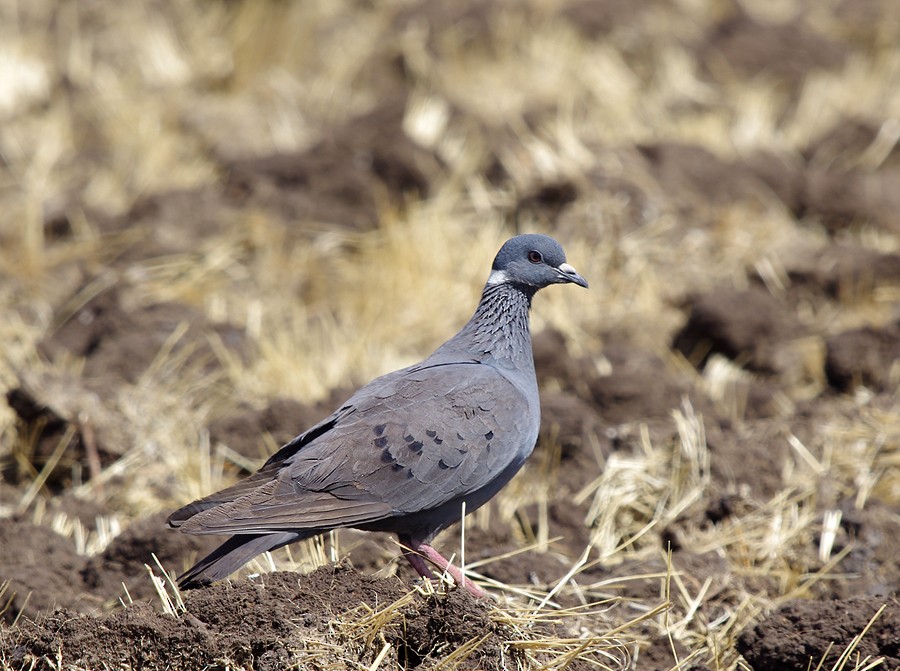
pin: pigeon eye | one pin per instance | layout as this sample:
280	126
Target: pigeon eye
535	256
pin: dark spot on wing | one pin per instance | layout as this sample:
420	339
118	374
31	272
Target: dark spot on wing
442	464
409	473
459	435
438	441
409	438
379	429
381	442
489	435
387	457
430	433
415	446
396	467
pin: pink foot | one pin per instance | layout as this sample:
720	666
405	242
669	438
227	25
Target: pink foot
416	553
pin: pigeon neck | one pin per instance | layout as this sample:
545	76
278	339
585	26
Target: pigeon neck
499	328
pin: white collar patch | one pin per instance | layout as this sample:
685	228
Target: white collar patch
497	277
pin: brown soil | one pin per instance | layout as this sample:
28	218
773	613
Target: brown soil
279	620
804	369
803	630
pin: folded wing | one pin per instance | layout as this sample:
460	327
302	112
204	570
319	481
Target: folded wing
407	442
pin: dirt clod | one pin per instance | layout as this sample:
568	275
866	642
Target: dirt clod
803	634
868	357
747	326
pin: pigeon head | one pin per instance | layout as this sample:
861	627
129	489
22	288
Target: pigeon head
532	262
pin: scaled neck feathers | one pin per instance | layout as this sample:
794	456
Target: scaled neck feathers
498	332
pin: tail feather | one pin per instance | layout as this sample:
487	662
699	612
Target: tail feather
234	553
227	495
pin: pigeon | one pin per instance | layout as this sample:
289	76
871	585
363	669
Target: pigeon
406	451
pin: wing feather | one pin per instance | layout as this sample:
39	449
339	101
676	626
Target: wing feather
407	442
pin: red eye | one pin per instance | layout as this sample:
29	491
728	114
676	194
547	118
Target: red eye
535	256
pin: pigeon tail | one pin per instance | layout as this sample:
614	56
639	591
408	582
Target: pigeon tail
234	553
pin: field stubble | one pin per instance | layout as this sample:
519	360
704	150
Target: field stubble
219	219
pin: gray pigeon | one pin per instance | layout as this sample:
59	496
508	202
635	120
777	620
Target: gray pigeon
406	450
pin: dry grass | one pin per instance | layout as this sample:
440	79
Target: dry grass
163	92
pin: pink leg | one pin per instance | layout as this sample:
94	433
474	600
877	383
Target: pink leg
419	564
419	552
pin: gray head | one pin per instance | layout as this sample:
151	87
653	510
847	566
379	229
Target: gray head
532	262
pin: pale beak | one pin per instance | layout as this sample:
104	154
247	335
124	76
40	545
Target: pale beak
568	274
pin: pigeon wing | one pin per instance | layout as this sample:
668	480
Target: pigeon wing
408	442
442	432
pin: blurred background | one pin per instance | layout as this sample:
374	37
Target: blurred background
218	218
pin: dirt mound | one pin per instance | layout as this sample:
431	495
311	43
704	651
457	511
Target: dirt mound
864	357
331	616
745	325
42	569
45	571
803	634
